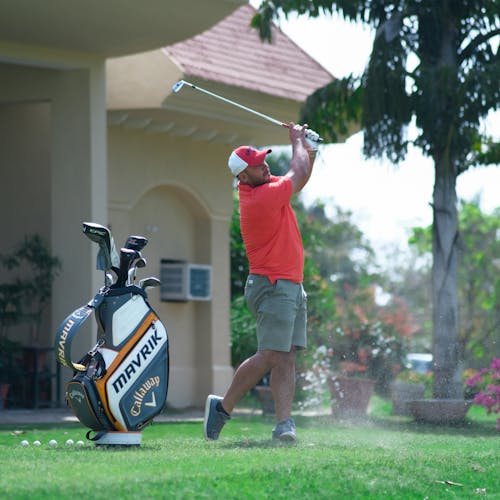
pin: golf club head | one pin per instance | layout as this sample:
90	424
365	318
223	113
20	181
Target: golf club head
107	258
178	86
149	282
108	279
140	263
131	275
126	257
132	272
136	242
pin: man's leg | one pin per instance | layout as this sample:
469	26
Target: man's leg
283	384
217	409
248	374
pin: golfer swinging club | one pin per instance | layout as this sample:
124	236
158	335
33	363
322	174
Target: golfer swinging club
273	290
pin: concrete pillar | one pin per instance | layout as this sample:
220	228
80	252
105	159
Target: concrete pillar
221	370
78	191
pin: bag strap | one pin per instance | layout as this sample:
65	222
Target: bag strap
93	362
69	327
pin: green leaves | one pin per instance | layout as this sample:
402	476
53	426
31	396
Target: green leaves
26	295
479	278
334	110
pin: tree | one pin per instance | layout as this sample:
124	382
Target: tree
479	280
409	279
453	86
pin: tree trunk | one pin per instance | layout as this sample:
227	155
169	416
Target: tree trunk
447	372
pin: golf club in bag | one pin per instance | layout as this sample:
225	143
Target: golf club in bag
121	384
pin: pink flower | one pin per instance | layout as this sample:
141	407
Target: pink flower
476	378
489	397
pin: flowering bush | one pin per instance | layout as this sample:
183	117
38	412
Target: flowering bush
469	391
414	377
315	379
487	380
364	352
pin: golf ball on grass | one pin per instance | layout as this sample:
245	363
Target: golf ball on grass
52	442
69	442
36	443
80	443
24	443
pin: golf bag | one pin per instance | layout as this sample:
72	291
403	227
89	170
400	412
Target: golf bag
121	384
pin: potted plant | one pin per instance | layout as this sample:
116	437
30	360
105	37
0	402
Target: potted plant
32	288
350	367
24	300
9	367
10	307
407	386
438	411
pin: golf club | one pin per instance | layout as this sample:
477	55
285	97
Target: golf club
149	282
108	279
107	258
136	242
126	258
310	134
139	263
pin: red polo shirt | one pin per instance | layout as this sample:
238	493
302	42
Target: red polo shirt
270	232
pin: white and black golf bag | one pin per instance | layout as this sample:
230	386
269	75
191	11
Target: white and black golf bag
121	384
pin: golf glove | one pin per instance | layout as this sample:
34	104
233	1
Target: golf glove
313	139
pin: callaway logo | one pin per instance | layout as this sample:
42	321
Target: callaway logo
81	313
76	394
138	361
139	395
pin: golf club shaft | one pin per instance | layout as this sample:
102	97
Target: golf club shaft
310	134
181	83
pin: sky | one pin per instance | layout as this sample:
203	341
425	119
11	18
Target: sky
386	200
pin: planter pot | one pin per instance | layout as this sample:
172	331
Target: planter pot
402	393
4	390
265	397
350	395
439	411
34	358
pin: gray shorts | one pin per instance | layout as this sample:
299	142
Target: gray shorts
280	311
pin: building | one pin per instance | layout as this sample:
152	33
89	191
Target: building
91	131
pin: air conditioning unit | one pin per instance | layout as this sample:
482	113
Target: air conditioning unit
182	281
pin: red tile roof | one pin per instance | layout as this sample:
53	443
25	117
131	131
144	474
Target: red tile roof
231	53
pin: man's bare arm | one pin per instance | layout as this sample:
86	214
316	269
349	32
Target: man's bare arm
302	160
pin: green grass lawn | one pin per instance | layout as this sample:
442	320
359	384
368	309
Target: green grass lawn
379	457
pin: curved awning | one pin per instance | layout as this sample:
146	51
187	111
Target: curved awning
108	28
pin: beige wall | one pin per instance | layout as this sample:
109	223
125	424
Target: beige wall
178	193
25	183
63	182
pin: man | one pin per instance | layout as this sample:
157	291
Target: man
273	291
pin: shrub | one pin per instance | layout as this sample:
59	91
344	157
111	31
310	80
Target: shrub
487	381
